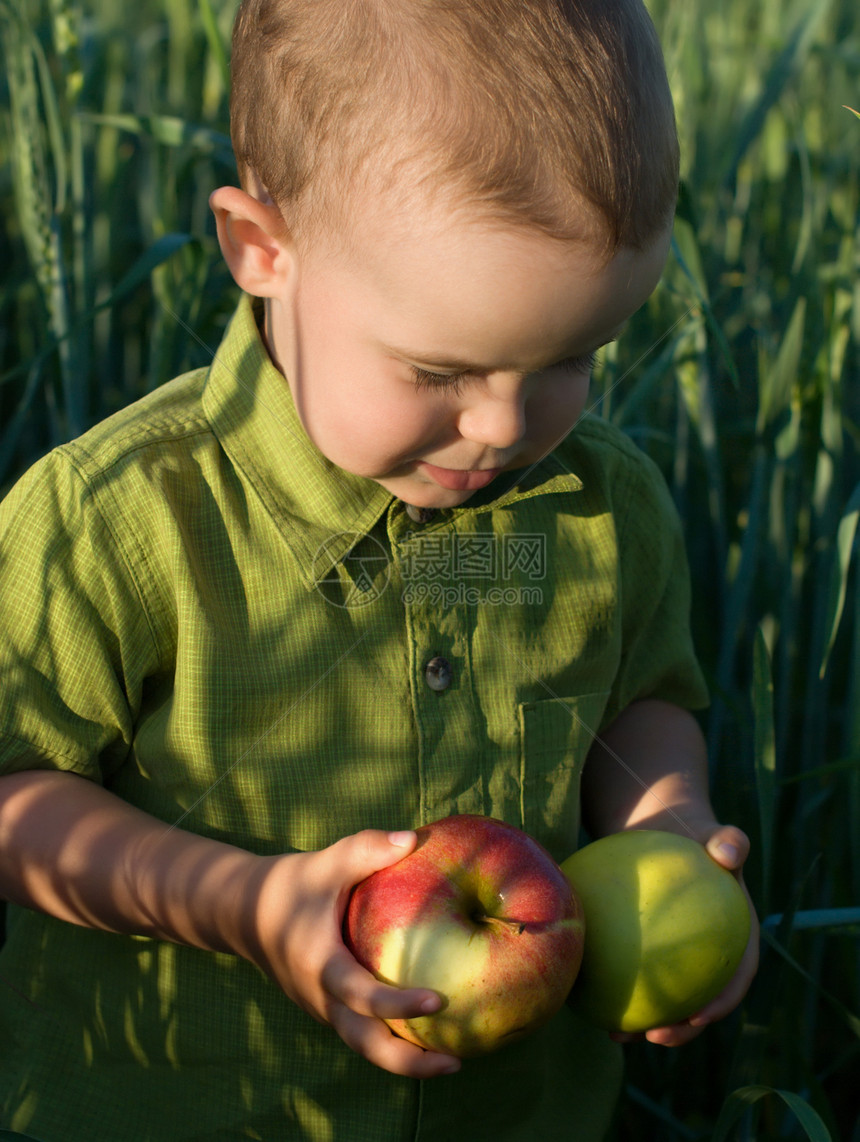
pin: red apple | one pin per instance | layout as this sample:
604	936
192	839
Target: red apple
480	913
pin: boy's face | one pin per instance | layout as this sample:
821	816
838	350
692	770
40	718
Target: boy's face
433	354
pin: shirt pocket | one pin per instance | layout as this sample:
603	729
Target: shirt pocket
556	735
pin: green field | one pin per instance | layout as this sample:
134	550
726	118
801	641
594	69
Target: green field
741	378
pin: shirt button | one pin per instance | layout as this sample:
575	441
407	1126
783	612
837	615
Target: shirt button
420	515
438	673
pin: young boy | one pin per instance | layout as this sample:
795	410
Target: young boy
354	577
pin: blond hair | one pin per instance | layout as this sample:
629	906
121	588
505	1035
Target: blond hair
528	108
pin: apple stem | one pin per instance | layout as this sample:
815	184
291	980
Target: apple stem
518	924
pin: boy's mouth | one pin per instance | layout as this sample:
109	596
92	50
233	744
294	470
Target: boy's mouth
459	479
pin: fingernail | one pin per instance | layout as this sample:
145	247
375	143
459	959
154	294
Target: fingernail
400	840
431	1003
451	1068
730	852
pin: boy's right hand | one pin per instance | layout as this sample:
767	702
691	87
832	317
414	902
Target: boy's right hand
73	849
291	925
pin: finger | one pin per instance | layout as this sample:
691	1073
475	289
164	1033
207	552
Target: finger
672	1036
356	988
729	846
374	1041
677	1035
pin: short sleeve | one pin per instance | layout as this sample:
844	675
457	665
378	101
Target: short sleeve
658	658
75	643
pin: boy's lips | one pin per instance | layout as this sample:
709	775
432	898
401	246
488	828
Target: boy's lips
459	479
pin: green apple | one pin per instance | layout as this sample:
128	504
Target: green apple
666	927
480	913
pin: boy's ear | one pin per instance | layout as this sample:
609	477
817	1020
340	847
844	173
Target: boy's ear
254	240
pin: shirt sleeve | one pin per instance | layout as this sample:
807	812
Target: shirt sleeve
75	643
658	659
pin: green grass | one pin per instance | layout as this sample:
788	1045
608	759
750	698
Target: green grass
740	377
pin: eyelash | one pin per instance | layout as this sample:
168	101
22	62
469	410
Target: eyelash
449	382
580	364
453	382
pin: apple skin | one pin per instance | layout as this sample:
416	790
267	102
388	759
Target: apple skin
480	913
667	927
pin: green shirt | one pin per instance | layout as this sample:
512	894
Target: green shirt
202	613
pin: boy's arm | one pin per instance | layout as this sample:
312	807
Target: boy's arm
73	849
649	770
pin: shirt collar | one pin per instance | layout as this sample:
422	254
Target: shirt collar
317	506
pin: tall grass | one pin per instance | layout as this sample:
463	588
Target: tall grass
740	377
759	437
115	131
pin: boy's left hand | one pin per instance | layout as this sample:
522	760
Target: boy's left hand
728	846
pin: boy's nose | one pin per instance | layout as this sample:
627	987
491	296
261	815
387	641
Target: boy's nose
493	420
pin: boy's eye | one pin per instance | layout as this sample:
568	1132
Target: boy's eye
453	382
449	382
579	364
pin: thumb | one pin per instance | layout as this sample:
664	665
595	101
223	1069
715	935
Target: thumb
729	847
372	849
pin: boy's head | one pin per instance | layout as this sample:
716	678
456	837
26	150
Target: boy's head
448	205
554	115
